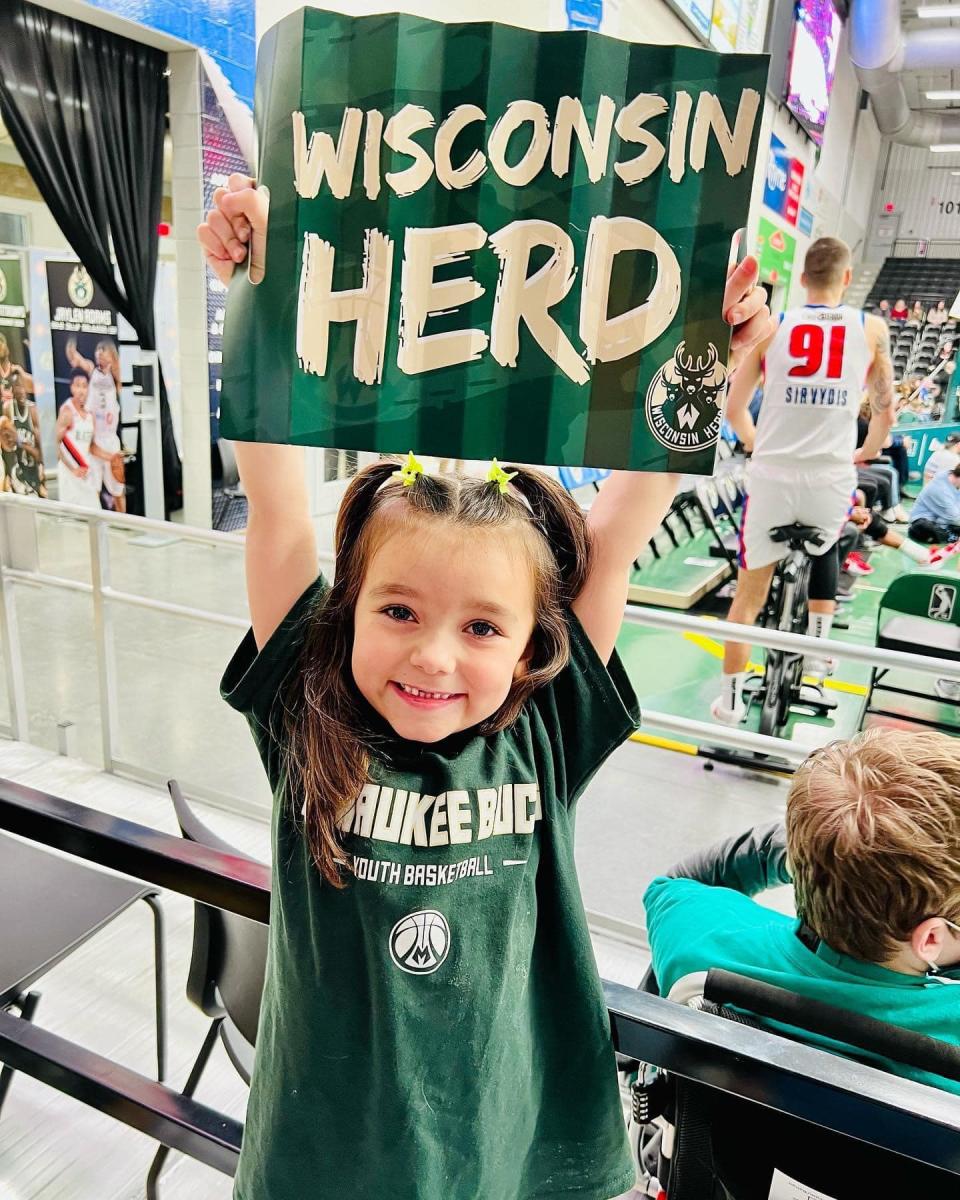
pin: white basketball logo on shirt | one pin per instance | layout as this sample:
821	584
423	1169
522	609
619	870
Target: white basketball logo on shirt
420	942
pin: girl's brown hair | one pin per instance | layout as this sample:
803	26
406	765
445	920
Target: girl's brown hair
327	742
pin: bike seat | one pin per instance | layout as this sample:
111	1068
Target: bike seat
797	536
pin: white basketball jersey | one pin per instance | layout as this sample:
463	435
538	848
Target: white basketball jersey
80	433
814	374
104	406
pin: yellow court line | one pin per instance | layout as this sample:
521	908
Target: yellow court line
852	689
662	743
716	649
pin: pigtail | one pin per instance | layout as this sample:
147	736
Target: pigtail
327	752
564	525
357	503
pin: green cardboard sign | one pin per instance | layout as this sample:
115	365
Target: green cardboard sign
486	241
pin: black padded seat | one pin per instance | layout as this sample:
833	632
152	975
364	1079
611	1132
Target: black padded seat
917	635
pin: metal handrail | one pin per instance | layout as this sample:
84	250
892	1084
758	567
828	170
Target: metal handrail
726	737
105	597
776	639
99	524
850	1098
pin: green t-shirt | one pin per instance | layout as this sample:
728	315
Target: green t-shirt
693	927
437	1029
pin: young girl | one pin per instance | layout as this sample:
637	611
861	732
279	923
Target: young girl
433	1025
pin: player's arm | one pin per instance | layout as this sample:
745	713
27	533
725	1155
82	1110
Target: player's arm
281	545
64	425
99	452
76	359
26	379
743	385
632	504
37	449
879	389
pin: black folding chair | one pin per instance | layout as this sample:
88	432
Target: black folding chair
226	975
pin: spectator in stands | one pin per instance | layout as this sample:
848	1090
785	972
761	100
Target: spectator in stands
872	847
899	312
939	314
893	449
936	511
883	309
864	523
916	313
944	458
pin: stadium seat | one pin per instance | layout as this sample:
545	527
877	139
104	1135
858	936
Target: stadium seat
705	1144
919	614
226	975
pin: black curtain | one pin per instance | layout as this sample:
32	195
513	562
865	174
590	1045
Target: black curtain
86	111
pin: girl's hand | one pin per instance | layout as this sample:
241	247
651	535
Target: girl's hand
237	223
745	308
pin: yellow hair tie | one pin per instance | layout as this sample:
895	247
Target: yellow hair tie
499	476
410	472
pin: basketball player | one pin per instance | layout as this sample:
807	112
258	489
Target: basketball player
79	470
813	369
104	405
22	411
8	367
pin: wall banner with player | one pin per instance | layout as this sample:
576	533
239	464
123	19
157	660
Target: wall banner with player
21	449
484	240
86	368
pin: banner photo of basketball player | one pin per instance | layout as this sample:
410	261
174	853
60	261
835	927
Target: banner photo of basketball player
487	241
86	368
21	449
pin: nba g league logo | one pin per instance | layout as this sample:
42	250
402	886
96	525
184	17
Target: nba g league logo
80	287
420	942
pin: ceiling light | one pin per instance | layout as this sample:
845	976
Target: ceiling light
941	11
954	95
955	172
946	148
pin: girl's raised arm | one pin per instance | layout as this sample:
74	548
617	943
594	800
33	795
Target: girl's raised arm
631	504
281	546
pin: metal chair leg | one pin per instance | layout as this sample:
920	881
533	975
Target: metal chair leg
153	1176
160	979
27	1005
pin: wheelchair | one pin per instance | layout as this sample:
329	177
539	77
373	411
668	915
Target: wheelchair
780	688
695	1142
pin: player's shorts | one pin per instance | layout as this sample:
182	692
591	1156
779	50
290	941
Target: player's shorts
780	496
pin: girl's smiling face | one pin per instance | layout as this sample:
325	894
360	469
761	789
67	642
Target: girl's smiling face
442	626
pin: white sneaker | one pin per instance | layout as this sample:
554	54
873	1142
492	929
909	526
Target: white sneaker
901	515
819	666
889	515
727	716
947	689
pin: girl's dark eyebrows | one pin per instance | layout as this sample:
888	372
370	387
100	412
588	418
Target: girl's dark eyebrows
394	589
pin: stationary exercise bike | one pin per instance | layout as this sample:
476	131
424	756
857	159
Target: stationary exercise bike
781	688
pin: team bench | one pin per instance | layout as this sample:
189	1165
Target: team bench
875	1120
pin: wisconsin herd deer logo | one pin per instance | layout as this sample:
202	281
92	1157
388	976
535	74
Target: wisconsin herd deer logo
684	399
80	287
420	942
